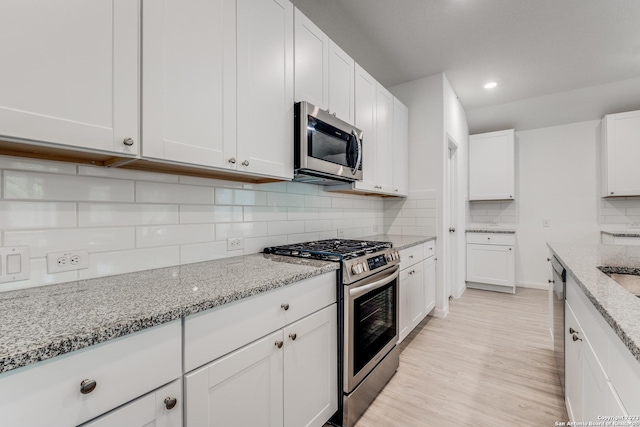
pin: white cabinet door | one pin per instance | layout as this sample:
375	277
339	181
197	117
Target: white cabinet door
188	112
365	117
70	72
492	166
403	298
400	148
621	151
429	285
150	410
241	389
594	385
311	62
311	369
491	264
573	366
384	139
416	303
341	83
265	87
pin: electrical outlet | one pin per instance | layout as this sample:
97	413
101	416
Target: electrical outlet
235	243
633	226
376	228
340	232
493	224
57	262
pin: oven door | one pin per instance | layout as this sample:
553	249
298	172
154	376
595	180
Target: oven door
371	326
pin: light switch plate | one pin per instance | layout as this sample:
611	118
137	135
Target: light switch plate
20	263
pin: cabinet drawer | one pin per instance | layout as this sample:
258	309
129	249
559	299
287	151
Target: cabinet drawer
491	238
410	256
429	249
123	369
216	332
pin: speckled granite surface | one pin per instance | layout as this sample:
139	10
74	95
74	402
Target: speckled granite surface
40	323
618	307
491	230
621	234
400	242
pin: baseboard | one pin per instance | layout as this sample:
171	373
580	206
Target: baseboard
459	293
438	312
543	286
489	287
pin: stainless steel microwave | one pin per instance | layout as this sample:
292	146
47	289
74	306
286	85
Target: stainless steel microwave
327	150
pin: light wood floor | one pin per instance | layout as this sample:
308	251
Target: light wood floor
489	363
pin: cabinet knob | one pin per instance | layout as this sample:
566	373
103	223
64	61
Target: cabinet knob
170	402
232	160
552	281
128	142
548	259
573	331
510	249
279	344
612	192
410	256
488	238
87	386
245	163
575	338
452	230
285	307
396	190
293	336
510	196
333	114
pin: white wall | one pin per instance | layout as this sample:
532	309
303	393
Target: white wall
131	221
556	179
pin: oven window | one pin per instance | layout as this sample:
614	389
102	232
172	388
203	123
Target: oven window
374	324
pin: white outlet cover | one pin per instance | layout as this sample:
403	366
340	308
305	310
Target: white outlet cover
22	264
53	266
235	243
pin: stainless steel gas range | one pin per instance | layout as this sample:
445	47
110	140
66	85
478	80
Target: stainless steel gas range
367	316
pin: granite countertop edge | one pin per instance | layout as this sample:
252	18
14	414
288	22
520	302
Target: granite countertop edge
489	230
401	242
606	315
620	233
60	345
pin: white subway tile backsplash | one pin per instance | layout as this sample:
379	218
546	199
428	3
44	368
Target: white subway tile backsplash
254	245
227	196
42	242
200	214
426	204
40	186
302	188
152	192
362	203
285	199
16	215
344	223
330	213
120	214
317	225
302	237
126	174
109	263
337	202
241	229
285	227
302	213
168	235
208	182
265	213
38	276
19	163
419	213
198	252
278	187
317	202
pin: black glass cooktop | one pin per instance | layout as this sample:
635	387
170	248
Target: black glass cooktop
330	249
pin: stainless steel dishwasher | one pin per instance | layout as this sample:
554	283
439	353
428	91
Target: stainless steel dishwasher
559	295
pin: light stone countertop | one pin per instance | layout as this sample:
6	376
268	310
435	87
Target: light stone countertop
40	323
619	308
400	242
621	233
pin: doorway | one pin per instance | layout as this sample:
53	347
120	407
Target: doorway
451	203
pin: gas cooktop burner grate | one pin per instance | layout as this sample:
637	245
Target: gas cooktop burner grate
330	249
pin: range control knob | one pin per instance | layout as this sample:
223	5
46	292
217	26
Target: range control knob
354	268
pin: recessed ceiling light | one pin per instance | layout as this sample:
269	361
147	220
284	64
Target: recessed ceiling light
490	85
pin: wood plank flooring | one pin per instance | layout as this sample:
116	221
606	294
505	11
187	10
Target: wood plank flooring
489	363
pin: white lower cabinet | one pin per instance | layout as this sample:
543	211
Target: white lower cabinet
601	375
491	261
161	408
287	378
417	287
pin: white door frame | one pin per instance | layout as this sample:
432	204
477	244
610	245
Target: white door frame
451	220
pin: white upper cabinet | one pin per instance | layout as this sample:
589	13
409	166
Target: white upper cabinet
218	84
70	73
400	148
384	139
311	62
189	111
492	166
341	83
365	120
265	87
620	154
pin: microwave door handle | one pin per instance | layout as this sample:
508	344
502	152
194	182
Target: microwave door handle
354	170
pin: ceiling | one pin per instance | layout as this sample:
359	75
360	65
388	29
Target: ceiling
530	47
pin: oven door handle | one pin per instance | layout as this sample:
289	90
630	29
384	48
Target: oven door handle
361	290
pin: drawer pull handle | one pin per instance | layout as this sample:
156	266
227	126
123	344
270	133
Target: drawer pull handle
128	142
279	344
87	386
575	338
410	256
232	160
170	402
285	307
573	331
552	281
245	163
293	336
